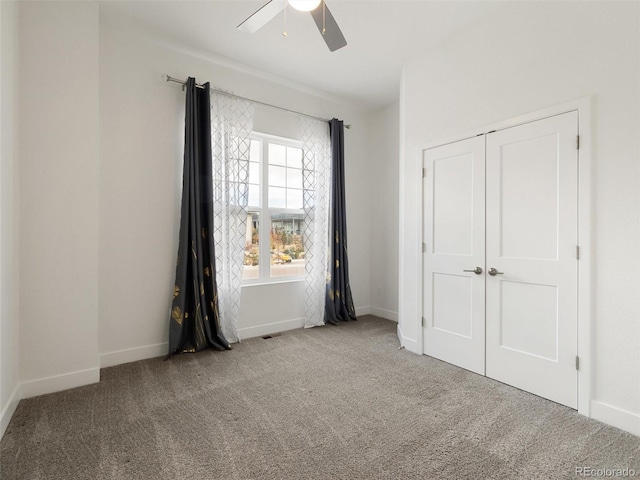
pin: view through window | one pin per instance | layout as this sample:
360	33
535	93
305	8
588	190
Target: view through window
275	220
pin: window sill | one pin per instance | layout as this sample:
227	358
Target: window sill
272	282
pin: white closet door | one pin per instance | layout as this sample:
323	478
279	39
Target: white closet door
532	211
454	242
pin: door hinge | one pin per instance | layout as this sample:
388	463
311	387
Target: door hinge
577	252
424	323
577	362
577	142
424	248
424	173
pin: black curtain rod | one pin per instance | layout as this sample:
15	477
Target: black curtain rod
222	92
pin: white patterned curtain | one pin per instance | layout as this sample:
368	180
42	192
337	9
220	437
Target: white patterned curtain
316	148
231	126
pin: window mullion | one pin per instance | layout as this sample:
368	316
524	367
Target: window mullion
265	230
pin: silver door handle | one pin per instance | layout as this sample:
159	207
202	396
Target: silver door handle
477	271
493	272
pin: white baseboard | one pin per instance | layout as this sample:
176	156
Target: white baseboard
378	312
119	357
382	313
407	343
9	410
270	328
617	417
57	383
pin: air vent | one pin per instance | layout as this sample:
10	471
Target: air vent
273	335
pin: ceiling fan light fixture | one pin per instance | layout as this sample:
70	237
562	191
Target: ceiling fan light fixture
304	5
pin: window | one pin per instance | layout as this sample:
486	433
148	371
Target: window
274	248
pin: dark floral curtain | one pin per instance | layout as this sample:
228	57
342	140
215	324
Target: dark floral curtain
339	302
194	321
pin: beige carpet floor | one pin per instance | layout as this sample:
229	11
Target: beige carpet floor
326	403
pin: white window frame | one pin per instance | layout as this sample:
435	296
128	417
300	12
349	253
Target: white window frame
265	212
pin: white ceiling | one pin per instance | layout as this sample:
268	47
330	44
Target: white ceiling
381	35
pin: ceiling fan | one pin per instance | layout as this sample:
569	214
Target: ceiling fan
319	11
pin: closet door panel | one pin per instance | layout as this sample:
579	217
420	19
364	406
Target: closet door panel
531	309
453	189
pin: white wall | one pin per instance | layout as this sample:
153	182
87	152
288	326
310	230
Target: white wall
141	138
58	60
531	56
9	246
382	167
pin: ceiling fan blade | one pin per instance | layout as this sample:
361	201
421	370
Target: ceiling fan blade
324	20
260	18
